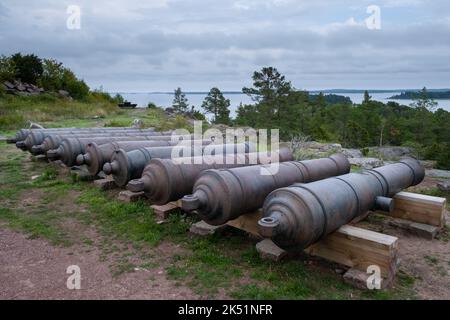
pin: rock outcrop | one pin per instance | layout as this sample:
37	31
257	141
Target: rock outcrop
22	89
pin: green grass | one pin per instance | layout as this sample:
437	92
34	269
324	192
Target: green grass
36	224
431	260
435	192
54	112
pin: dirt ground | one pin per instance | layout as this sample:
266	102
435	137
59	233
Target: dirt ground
35	269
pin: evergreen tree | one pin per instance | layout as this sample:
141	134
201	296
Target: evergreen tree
180	102
271	91
321	101
216	104
367	97
424	102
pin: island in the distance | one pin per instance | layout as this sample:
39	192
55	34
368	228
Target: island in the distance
411	95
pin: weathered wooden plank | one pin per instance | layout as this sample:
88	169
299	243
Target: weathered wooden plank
247	222
163	212
419	208
358	248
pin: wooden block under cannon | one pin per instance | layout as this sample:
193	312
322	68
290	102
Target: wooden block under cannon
419	208
163	212
128	196
351	246
359	248
105	184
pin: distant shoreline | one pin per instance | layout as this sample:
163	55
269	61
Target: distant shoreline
334	91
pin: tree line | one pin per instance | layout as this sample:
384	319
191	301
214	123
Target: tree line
49	74
277	104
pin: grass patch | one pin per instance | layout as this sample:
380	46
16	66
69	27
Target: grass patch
435	192
431	260
37	224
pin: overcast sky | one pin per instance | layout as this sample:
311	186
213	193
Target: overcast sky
157	45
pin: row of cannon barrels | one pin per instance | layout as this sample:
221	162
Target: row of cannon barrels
302	201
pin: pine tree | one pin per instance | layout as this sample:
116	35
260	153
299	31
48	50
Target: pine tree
367	97
180	103
216	104
423	101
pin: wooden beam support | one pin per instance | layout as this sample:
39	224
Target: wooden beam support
419	208
163	212
359	248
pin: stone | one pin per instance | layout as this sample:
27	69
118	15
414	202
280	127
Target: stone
138	123
392	153
162	212
201	228
438	173
366	163
428	164
33	125
358	279
105	184
421	230
336	147
444	186
64	93
81	174
352	153
8	85
128	196
270	251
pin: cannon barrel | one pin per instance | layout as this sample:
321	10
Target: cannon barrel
23	133
225	194
125	166
302	214
53	141
165	180
96	155
36	138
70	148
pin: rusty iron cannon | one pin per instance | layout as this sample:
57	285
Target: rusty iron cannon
126	166
70	148
36	138
302	214
165	180
22	134
96	155
225	194
53	141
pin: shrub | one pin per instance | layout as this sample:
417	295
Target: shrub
152	105
27	68
365	151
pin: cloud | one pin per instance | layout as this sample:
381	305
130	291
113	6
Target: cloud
140	46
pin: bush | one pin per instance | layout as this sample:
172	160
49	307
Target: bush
7	71
152	105
118	123
27	68
11	121
101	96
197	115
365	151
